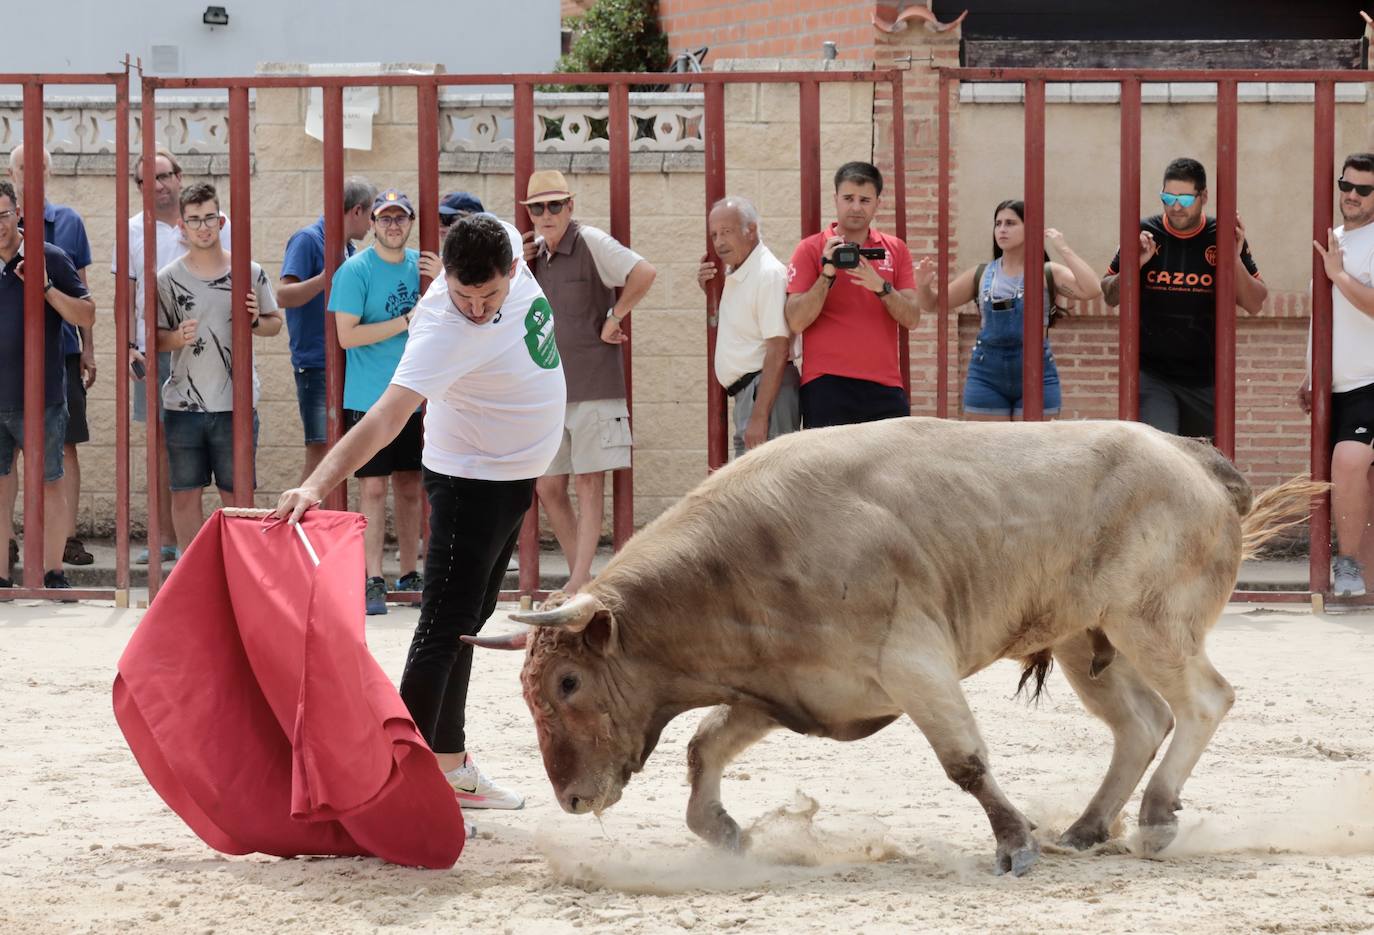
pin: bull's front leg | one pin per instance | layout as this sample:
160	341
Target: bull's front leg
722	735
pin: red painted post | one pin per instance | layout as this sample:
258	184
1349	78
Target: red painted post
152	376
1323	168
524	168
1033	331
942	257
1128	342
333	181
713	136
809	103
1226	270
241	274
427	143
35	331
623	487
899	201
121	326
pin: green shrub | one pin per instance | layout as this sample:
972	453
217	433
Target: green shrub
615	35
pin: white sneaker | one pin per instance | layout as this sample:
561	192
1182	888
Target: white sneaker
475	790
1348	577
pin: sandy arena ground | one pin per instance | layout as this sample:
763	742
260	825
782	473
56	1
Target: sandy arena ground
1278	826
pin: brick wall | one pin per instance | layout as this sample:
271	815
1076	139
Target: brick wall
769	29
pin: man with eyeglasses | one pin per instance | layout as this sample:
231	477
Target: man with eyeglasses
1348	256
65	298
1178	263
195	311
372	298
170	245
482	352
579	267
300	291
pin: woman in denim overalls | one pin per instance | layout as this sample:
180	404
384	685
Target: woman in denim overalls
992	391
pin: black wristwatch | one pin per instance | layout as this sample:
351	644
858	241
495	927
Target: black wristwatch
886	289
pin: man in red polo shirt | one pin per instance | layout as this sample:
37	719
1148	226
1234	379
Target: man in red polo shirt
849	318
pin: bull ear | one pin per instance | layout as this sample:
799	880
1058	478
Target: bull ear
505	641
574	615
601	634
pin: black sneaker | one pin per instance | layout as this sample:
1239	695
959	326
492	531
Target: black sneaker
411	581
75	553
57	581
375	596
6	583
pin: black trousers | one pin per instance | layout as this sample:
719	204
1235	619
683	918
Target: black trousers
473	528
832	400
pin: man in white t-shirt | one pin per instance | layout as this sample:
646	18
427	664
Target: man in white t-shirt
171	245
1349	259
481	351
754	346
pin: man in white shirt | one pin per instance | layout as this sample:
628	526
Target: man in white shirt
1349	259
481	350
754	347
171	245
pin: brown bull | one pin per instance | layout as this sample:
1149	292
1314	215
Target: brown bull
836	579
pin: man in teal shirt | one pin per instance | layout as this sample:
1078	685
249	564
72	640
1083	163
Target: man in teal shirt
372	296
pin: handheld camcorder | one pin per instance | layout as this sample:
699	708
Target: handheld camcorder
847	256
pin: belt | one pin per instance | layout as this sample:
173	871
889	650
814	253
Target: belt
734	388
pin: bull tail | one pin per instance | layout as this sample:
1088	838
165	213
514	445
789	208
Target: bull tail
1276	510
1035	667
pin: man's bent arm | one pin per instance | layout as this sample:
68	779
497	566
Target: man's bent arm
1111	289
803	308
903	306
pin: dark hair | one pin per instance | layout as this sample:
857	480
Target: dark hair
1362	161
1184	169
1019	207
860	173
7	191
477	249
198	194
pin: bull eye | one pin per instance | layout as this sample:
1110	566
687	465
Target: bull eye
568	685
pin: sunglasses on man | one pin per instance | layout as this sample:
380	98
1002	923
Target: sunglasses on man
1183	201
555	207
1364	191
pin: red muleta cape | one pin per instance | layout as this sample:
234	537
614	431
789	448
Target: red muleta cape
250	699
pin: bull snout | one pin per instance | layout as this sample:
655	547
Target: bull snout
582	801
576	805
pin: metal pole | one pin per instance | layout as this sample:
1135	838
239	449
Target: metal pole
623	515
1033	330
942	257
241	276
717	430
1128	217
1323	165
35	330
899	201
122	335
524	168
427	142
1225	391
333	181
809	104
152	376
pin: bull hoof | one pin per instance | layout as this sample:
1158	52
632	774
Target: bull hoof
719	830
1017	861
1083	835
1154	838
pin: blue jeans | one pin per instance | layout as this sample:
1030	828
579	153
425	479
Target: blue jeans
54	434
310	397
993	386
200	444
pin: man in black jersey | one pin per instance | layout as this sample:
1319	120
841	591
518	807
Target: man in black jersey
1178	263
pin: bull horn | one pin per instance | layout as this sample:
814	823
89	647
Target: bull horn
573	615
516	640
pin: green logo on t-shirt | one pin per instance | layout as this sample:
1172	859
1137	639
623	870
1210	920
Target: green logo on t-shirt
539	334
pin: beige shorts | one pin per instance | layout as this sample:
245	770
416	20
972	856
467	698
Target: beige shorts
596	437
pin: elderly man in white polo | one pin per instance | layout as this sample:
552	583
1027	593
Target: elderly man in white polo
579	268
754	347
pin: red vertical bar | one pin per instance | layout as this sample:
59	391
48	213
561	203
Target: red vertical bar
941	253
524	167
623	515
1226	270
899	201
35	330
240	271
427	141
713	136
1128	217
152	376
121	326
1033	333
810	145
1323	165
333	180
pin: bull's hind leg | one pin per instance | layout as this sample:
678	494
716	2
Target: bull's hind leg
722	735
933	698
1139	720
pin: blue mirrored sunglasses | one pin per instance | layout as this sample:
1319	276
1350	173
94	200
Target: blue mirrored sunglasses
1183	201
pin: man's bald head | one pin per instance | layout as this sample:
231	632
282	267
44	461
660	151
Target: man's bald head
17	160
734	226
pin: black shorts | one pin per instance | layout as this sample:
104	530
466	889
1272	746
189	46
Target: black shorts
403	454
78	431
831	400
1352	416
